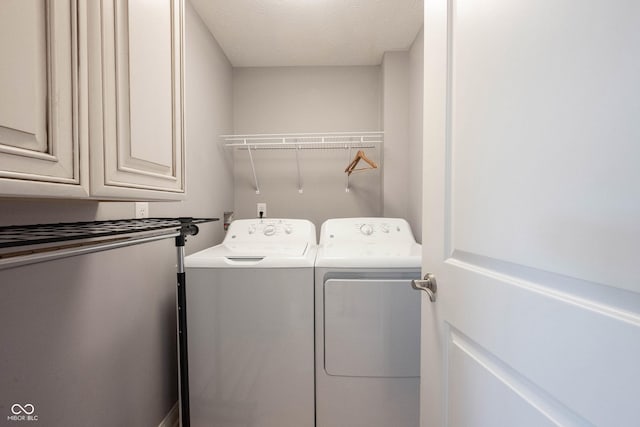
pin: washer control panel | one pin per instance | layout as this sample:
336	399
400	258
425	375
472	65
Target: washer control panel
366	229
271	229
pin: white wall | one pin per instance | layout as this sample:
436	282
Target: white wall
416	83
90	340
306	99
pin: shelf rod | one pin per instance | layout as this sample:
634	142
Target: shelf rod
10	262
298	135
304	145
308	139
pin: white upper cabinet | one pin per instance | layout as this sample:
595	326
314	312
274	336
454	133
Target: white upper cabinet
40	149
135	50
91	99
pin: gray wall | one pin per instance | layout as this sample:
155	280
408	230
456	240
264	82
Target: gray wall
395	73
416	84
90	340
306	99
402	78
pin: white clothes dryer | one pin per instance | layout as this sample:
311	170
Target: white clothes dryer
250	326
367	324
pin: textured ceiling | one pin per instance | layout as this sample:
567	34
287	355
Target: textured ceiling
261	33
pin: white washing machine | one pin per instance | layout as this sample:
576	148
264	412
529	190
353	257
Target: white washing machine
367	324
250	326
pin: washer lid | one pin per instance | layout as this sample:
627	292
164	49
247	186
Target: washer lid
254	255
257	250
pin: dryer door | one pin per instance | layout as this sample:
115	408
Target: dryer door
372	328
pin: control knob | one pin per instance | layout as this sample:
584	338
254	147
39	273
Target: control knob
366	229
269	230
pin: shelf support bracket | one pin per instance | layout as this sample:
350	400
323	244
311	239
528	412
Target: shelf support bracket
299	174
348	147
253	168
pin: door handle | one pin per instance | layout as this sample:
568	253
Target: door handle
428	284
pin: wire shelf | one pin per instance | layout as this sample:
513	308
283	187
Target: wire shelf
328	140
26	235
302	141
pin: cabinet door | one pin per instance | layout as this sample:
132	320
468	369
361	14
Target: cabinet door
136	68
39	140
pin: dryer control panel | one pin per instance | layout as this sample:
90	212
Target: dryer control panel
370	243
374	230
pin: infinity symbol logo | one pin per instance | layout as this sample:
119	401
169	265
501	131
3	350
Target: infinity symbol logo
18	409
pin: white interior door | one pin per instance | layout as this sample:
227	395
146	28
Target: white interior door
531	213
